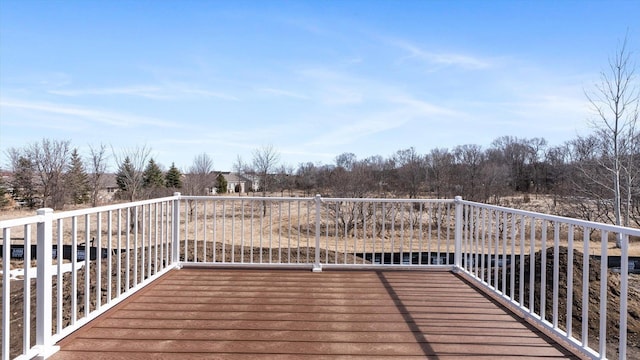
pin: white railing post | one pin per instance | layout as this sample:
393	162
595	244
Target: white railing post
457	260
176	229
44	283
317	267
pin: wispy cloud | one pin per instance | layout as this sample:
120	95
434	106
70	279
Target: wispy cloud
352	130
167	92
284	93
420	107
92	115
403	110
334	87
441	58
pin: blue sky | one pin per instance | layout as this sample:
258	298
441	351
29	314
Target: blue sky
312	78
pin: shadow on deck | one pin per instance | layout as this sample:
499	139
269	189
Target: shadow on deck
288	314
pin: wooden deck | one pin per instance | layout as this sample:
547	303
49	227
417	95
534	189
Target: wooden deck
272	314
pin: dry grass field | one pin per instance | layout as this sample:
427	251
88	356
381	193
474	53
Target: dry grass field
291	224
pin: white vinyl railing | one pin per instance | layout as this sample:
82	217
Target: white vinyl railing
88	260
316	232
547	268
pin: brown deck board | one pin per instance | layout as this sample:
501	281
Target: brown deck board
261	314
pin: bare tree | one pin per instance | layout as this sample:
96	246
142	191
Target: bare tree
411	172
50	158
307	178
200	178
346	161
131	163
615	101
469	159
283	179
440	166
265	162
557	173
97	167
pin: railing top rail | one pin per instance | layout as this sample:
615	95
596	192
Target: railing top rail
94	210
324	199
21	221
542	216
381	200
249	198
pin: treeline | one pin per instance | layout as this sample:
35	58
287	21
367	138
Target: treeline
576	175
52	173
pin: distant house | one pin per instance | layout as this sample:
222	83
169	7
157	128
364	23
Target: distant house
236	183
108	188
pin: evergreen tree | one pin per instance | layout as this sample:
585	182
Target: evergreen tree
125	173
24	189
153	176
173	177
77	180
221	184
4	199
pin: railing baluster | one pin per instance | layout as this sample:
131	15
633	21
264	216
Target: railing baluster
224	234
98	261
74	270
383	221
421	236
289	232
215	232
143	239
337	235
496	254
119	258
512	265
569	322
242	233
204	231
504	266
624	292
26	290
271	234
109	255
252	221
393	234
135	246
602	349
543	273
87	265
150	241
298	232
60	278
402	240
6	293
280	232
522	258
233	232
556	272
532	266
261	230
448	225
195	232
484	256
